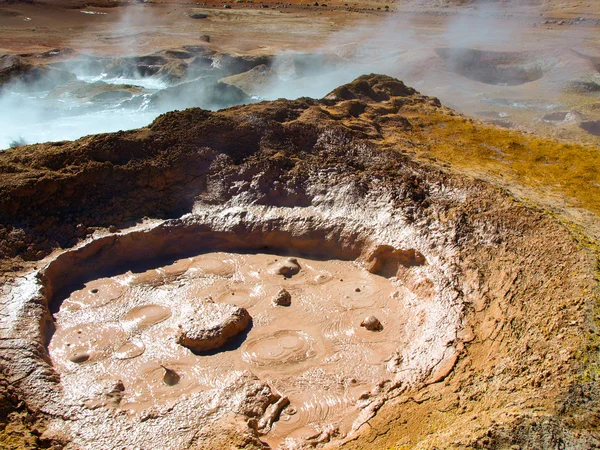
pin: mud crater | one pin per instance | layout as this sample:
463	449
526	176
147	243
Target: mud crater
495	68
558	116
119	302
592	127
119	333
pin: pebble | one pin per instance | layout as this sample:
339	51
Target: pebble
283	298
371	323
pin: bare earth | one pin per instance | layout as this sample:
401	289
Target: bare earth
367	269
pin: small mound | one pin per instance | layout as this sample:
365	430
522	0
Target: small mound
281	348
288	268
372	87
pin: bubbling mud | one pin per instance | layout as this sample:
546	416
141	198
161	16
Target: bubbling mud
495	68
284	347
592	127
559	116
314	352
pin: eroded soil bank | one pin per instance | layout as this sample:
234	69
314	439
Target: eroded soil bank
115	246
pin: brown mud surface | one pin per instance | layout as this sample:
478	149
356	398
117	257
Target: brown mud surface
488	305
299	348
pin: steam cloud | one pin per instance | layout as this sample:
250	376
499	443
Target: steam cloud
105	95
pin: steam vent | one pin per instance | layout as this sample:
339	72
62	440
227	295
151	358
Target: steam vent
291	274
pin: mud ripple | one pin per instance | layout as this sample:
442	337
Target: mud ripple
155	384
239	296
280	348
142	317
213	265
86	343
357	294
131	349
340	329
307	411
96	293
322	278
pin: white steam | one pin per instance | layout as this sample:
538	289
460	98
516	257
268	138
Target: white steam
439	57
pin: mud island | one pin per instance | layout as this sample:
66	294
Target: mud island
368	269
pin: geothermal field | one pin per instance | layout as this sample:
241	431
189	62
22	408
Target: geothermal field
242	224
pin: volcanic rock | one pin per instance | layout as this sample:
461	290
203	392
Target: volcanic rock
211	325
283	298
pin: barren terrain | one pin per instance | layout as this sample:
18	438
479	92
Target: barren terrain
366	268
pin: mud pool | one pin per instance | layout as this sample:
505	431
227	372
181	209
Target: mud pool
294	302
120	331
